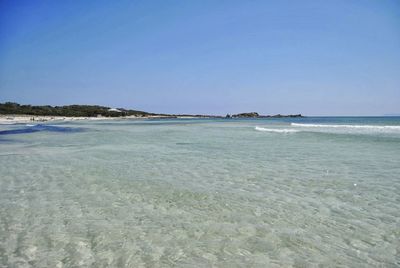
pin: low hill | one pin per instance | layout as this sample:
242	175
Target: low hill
69	110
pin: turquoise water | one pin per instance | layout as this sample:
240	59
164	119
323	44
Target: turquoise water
201	193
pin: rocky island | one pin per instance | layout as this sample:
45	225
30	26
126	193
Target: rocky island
256	115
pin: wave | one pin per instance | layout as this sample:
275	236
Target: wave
276	130
372	127
335	129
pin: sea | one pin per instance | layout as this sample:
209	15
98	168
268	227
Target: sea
269	192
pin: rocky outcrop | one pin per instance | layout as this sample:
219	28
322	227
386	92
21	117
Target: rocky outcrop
246	115
256	115
281	115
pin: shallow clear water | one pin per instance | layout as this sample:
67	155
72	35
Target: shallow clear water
201	193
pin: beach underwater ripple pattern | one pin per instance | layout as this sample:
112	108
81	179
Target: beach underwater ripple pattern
200	193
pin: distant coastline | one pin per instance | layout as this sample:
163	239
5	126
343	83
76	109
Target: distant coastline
11	112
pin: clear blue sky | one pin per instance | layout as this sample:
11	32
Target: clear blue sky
215	57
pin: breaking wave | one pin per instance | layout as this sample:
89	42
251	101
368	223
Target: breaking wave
372	127
349	129
276	130
336	129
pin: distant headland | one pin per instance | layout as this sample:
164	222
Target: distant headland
14	112
256	115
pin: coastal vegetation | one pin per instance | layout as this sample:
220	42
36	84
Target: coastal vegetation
12	108
68	110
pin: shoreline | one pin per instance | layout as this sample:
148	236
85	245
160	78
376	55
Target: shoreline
23	119
9	119
14	113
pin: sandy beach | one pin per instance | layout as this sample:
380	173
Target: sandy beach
22	119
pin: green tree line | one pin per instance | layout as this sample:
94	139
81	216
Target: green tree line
68	110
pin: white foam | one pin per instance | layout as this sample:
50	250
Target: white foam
276	130
347	126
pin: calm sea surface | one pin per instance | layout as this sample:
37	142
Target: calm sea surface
201	193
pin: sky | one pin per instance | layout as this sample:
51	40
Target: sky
204	57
